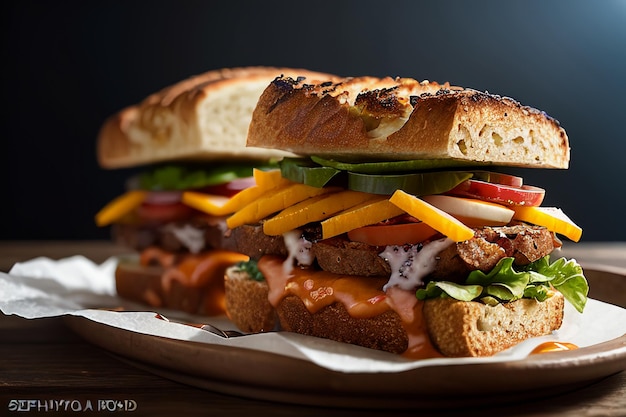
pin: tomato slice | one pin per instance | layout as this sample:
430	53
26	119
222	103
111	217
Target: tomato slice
164	213
508	195
498	178
392	234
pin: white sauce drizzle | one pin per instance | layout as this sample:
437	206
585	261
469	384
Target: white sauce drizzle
410	264
298	249
190	237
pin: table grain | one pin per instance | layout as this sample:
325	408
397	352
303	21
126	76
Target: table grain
48	369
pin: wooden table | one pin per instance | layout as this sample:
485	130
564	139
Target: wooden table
46	363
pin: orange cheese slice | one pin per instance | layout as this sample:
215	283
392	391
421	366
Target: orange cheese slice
313	210
551	218
370	212
212	204
119	207
268	179
274	201
432	216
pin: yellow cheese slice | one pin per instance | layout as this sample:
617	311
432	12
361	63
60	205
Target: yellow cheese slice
313	209
271	202
119	207
268	179
214	205
432	216
370	212
551	218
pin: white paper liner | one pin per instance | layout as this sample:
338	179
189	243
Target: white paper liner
76	286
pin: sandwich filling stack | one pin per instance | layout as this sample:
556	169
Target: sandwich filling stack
187	147
393	224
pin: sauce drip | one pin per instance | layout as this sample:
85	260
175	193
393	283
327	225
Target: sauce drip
553	347
362	297
203	271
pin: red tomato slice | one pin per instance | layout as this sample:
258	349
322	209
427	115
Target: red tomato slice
507	195
499	178
166	206
394	234
164	213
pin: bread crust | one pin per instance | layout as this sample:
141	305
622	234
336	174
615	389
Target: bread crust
247	304
370	118
145	285
382	332
459	328
204	117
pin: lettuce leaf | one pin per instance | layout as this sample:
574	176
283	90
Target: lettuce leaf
502	281
460	292
566	276
184	177
507	282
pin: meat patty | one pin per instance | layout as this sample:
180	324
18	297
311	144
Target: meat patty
339	255
523	242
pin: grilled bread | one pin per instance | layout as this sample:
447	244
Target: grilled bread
370	118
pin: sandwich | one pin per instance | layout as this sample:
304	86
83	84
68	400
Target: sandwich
396	225
184	148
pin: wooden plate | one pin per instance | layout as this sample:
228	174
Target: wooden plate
267	376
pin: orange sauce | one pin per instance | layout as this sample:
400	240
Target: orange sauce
553	347
362	297
203	271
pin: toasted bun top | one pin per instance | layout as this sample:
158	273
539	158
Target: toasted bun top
368	118
204	117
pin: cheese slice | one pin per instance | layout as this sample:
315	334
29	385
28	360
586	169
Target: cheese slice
313	209
268	179
370	212
271	202
119	207
432	216
208	203
552	218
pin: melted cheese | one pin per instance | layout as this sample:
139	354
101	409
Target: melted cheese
410	264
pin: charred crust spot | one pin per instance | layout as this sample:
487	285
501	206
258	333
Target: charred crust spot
286	87
380	103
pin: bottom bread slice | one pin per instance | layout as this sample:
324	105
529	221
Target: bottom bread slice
246	302
460	328
382	332
456	328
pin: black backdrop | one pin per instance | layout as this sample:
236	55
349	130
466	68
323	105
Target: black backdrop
69	64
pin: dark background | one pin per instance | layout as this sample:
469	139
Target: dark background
67	65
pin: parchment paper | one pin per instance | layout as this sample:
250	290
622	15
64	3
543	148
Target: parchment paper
76	286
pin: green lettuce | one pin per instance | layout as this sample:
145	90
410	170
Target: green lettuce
186	177
508	282
250	267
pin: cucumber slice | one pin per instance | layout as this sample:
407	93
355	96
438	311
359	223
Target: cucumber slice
418	184
395	166
306	172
